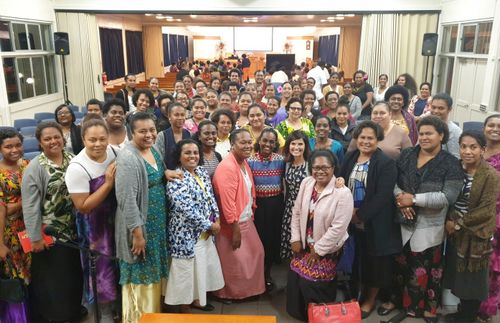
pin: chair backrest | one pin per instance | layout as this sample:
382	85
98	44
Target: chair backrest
473	125
21	123
31	155
48	119
74	108
30	144
28	131
78	121
79	115
84	110
44	115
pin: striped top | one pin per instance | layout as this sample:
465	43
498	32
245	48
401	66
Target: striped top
267	174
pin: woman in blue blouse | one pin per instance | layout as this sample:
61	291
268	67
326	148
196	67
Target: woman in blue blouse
323	141
194	216
268	168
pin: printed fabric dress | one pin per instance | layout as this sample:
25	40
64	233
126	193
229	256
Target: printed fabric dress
155	265
293	177
10	192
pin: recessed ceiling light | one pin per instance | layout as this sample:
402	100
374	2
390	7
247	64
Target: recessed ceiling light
148	14
340	15
323	20
349	15
310	16
340	18
330	18
168	17
178	19
193	16
159	17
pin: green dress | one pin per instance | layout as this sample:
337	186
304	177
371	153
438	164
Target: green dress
155	266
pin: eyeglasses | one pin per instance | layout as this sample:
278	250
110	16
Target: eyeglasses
63	113
295	109
321	168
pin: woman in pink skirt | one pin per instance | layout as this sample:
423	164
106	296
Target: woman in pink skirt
240	250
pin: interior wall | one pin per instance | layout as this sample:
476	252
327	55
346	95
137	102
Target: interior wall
349	47
153	50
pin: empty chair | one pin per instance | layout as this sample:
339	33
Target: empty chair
31	155
44	115
28	131
79	115
74	108
48	119
30	144
21	123
473	125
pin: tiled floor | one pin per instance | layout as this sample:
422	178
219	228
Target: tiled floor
274	304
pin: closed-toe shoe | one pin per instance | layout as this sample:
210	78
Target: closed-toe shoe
207	308
365	314
434	319
382	311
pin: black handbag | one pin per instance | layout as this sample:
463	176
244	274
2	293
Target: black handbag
12	290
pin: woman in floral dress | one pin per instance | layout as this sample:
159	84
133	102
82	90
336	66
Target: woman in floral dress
11	171
296	154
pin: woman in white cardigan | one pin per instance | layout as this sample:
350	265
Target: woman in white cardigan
320	218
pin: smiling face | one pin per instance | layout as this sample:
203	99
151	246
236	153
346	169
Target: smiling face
402	80
440	109
233	90
177	117
303	84
296	90
332	101
492	130
380	115
367	141
187	82
183	99
224	126
342	115
242	147
471	151
95	140
234	77
201	89
144	134
199	110
153	84
269	91
322	170
256	117
272	106
215	84
310	83
142	103
322	128
297	148
287	91
259	77
208	135
212	100
51	141
94	109
295	111
425	91
382	81
347	89
190	157
64	117
309	100
225	102
267	143
12	149
115	118
244	102
429	139
250	88
179	87
333	80
396	102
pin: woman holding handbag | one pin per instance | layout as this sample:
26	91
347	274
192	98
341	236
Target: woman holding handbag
320	218
16	263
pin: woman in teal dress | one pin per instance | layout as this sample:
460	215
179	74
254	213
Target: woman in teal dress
141	243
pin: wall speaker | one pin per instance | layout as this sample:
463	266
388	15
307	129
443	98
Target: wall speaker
429	44
61	43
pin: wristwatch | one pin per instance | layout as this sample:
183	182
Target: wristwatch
414	200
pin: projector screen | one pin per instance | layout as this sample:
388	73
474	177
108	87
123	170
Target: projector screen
253	39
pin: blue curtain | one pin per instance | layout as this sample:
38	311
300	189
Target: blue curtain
328	49
112	52
135	56
182	46
173	49
166	56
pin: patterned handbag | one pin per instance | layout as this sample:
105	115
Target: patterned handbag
345	312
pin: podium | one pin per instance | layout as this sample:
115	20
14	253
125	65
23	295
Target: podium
205	318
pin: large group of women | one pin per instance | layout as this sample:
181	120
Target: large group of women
201	191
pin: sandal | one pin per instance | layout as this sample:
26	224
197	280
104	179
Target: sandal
207	308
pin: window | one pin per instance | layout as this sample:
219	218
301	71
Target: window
445	75
28	60
450	34
476	38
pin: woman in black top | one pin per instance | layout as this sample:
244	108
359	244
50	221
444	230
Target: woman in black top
364	92
72	134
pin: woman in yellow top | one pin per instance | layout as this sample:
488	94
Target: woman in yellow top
294	121
257	117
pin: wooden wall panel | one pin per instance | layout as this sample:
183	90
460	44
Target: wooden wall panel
152	44
350	37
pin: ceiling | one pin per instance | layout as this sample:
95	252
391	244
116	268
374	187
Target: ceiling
165	19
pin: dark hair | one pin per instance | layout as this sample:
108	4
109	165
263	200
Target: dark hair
477	135
335	74
178	150
358	72
255	105
224	112
200	81
92	120
319	117
410	83
178	81
331	93
493	116
303	94
165	96
231	83
264	131
293	100
311	78
343	104
445	97
226	93
425	83
235	70
214	79
386	76
94	101
274	98
328	154
9	133
199	99
202	124
270	84
147	93
127	76
245	93
187	76
397	89
347	83
44	125
173	105
107	106
295	135
377	129
59	108
234	134
138	116
438	124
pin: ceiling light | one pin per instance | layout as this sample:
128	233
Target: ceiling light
159	17
148	14
20	75
310	16
178	19
330	18
193	16
30	80
168	17
349	15
340	18
323	20
340	15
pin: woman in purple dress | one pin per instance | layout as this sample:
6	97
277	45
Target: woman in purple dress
489	306
90	182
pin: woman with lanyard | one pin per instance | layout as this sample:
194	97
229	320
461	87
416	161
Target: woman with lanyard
90	180
267	169
194	217
56	274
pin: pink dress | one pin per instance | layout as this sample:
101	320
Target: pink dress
489	306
